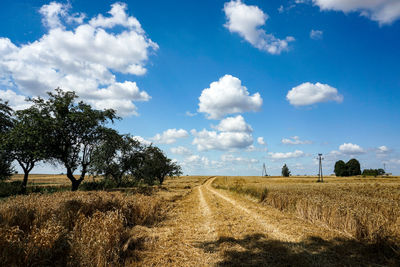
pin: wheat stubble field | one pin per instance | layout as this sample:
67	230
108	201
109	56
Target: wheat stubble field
216	221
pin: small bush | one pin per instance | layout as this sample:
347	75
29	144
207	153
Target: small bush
105	184
13	188
10	188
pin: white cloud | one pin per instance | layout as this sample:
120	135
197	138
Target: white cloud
170	136
238	160
232	133
196	160
351	149
227	96
234	124
51	14
260	140
83	59
246	21
383	149
189	114
15	101
211	140
309	93
180	150
382	11
281	9
118	16
316	34
295	140
142	140
288	155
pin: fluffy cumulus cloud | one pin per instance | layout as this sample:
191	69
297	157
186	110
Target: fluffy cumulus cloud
316	34
213	140
180	150
14	100
382	11
170	136
260	140
295	140
309	93
81	56
142	140
287	155
231	133
351	149
238	160
227	96
246	21
196	161
234	124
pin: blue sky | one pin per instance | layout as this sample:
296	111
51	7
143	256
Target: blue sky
221	86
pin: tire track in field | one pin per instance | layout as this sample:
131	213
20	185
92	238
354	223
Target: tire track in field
205	210
270	229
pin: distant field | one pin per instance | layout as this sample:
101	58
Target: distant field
45	179
207	221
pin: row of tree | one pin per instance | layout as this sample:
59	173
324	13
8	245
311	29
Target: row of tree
373	172
353	168
61	130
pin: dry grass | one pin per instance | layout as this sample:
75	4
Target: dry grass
78	229
368	209
83	228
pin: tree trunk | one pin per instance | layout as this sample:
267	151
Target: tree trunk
24	182
75	182
27	167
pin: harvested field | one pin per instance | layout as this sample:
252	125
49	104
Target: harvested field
215	227
44	179
367	209
205	221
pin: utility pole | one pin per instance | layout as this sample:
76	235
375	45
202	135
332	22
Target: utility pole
320	176
264	171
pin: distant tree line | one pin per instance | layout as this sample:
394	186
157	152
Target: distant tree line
61	130
352	168
373	172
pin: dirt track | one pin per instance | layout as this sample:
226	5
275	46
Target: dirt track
211	227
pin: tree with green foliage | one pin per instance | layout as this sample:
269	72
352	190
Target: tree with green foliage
353	167
285	171
116	156
155	166
6	124
75	130
373	172
27	140
340	168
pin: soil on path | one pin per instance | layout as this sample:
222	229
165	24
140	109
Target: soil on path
211	227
